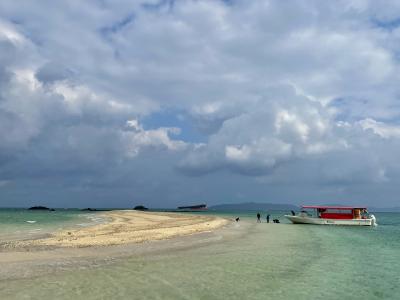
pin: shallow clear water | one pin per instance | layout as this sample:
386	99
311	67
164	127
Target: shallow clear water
249	261
23	223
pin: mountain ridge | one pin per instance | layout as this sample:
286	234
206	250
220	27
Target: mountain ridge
254	206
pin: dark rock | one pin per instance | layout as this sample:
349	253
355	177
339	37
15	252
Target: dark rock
39	208
89	209
140	207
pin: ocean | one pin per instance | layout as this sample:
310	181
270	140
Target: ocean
246	260
17	224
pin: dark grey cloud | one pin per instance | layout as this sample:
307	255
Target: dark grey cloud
53	71
291	100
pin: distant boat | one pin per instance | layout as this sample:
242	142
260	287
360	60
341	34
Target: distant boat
200	207
333	215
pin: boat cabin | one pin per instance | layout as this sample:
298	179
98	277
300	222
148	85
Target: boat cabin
338	212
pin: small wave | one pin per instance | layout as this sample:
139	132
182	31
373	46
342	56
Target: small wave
34	231
84	224
31	222
96	219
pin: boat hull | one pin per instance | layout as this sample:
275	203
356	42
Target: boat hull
322	221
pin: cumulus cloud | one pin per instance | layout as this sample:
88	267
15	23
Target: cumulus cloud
279	93
271	131
56	123
379	128
137	138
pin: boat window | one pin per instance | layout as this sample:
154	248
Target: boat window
306	213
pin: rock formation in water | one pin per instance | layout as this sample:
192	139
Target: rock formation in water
40	208
140	207
89	209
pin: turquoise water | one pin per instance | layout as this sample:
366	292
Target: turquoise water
23	223
245	261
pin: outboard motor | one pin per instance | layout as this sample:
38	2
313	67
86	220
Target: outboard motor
373	220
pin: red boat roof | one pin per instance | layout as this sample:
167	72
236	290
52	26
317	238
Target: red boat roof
333	207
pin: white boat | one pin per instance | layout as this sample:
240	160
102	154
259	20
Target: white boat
333	215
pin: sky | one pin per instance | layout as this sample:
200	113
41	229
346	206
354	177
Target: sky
115	103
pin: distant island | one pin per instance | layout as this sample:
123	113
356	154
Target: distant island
40	208
255	206
140	207
89	209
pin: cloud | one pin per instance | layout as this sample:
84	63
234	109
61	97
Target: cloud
54	122
381	129
272	131
137	138
279	93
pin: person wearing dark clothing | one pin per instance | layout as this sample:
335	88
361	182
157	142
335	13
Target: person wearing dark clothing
268	218
258	218
293	213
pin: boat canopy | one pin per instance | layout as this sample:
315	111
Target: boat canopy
338	212
333	207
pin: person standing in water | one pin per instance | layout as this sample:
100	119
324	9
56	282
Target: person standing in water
258	218
268	218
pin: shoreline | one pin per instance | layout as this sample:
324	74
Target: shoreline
124	227
126	234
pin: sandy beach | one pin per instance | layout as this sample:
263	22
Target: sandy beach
127	227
